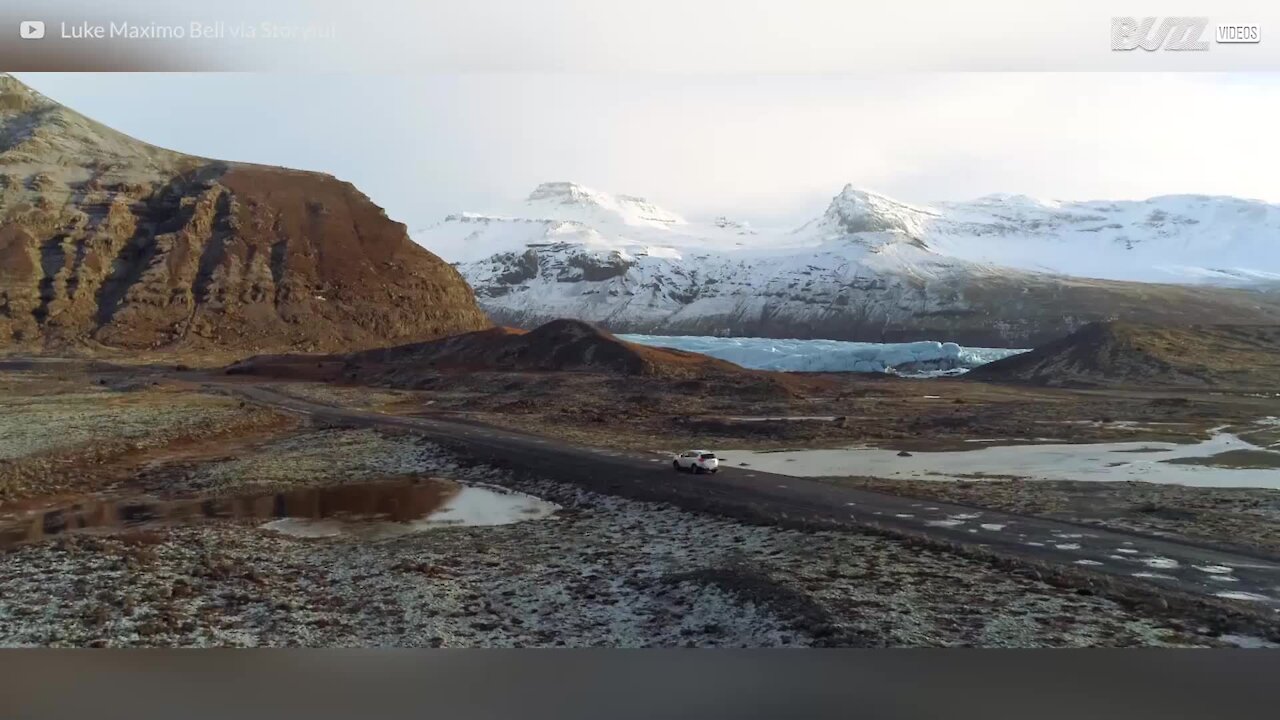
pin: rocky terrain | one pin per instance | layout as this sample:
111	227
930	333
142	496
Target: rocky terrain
63	433
1129	354
1245	518
601	571
868	269
558	346
763	409
796	411
107	242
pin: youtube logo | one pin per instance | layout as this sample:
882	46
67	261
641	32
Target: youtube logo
31	29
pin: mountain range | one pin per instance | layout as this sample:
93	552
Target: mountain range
109	242
1000	271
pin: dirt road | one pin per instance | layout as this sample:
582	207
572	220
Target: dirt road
1135	563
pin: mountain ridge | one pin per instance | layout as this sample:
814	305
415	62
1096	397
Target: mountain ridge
109	242
1181	239
1120	353
869	269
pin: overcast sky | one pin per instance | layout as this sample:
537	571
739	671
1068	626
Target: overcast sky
770	149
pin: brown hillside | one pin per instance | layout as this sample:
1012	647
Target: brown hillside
560	345
106	241
1116	353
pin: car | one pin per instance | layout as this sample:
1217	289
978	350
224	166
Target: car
696	461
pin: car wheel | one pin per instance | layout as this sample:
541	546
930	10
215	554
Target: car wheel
697	470
676	465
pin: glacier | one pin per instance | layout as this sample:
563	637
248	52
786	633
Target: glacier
926	358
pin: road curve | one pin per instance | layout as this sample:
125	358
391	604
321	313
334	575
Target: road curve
1139	560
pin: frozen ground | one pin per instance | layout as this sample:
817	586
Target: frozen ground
915	358
1211	462
602	571
34	420
64	431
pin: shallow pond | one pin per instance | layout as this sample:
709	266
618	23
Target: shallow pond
376	509
1196	464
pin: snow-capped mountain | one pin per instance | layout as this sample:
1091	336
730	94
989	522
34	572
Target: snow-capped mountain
570	201
999	271
564	212
1173	238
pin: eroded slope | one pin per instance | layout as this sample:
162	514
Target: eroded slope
108	241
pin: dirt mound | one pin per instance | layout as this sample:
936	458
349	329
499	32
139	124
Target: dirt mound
557	345
108	242
1115	353
560	345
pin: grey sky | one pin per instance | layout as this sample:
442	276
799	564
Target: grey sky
769	149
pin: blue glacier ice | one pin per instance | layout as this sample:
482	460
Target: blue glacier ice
926	358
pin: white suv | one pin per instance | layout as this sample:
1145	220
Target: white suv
696	461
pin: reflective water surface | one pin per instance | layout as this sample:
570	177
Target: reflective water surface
367	509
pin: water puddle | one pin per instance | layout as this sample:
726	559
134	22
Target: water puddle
369	510
1126	461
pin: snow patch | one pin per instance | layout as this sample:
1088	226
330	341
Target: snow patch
1240	595
1103	462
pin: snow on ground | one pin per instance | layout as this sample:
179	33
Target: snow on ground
928	357
1103	462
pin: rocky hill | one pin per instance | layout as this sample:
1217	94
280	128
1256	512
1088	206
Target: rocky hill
108	242
1099	354
560	345
868	269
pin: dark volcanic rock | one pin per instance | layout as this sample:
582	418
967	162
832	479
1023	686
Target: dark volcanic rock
1238	356
560	345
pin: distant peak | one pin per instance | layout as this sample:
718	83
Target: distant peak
1011	199
569	200
855	194
853	191
857	210
564	191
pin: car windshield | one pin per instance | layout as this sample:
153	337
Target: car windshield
708	456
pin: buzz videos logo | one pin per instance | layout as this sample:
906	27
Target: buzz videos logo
1173	33
1177	34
